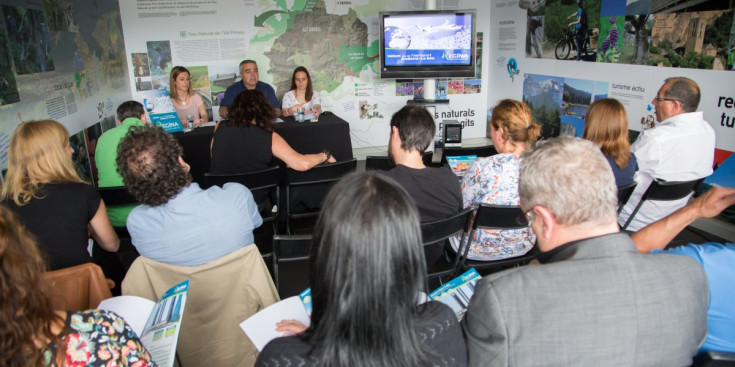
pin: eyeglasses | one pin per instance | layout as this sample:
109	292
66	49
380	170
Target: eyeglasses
528	216
661	99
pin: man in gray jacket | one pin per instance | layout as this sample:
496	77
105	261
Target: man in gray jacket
594	300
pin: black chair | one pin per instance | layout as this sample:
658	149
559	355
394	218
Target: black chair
115	265
383	163
660	190
264	186
482	151
624	193
441	230
291	264
305	190
496	217
715	359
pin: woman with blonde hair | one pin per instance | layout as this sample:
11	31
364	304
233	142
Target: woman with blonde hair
494	180
42	187
186	102
33	334
606	125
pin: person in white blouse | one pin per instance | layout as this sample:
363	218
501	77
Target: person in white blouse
302	94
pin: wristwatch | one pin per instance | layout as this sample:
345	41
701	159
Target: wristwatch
326	152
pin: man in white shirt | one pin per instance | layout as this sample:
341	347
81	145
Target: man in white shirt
680	148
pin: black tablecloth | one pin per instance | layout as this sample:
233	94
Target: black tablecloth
330	132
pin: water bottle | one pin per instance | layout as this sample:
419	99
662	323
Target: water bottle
300	117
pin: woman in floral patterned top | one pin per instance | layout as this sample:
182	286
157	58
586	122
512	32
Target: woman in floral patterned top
33	334
494	180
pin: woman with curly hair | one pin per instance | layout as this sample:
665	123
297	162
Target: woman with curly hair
246	142
42	187
33	334
606	125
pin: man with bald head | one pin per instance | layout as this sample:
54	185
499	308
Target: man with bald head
680	148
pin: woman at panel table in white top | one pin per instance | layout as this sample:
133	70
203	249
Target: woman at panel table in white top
302	94
186	102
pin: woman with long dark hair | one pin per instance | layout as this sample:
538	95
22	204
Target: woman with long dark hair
301	95
367	269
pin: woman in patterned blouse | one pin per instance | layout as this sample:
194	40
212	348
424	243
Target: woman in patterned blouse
494	180
33	334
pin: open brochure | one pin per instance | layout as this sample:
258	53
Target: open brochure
156	323
461	163
457	293
261	327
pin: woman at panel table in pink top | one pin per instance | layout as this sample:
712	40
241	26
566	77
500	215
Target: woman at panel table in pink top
188	105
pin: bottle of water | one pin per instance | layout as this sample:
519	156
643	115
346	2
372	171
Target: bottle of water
301	114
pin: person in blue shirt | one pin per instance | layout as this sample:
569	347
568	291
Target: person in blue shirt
250	80
717	259
179	223
580	28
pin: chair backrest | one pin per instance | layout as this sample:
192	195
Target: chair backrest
116	196
291	263
383	163
222	293
441	230
496	217
660	190
482	151
308	188
712	358
260	183
624	193
79	287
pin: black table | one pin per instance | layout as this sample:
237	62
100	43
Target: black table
330	132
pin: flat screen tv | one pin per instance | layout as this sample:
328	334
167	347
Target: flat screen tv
427	44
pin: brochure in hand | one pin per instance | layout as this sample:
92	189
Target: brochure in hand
261	327
461	163
156	323
457	293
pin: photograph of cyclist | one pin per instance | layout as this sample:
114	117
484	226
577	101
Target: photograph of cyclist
580	29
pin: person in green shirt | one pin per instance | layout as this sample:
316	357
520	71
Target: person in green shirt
129	114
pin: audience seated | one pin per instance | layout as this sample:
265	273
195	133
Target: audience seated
494	180
250	80
33	334
186	101
302	94
179	223
129	114
43	189
435	191
680	148
366	271
717	259
606	125
593	301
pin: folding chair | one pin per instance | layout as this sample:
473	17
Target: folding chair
383	163
482	151
291	264
440	231
496	217
661	190
308	188
624	193
115	265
